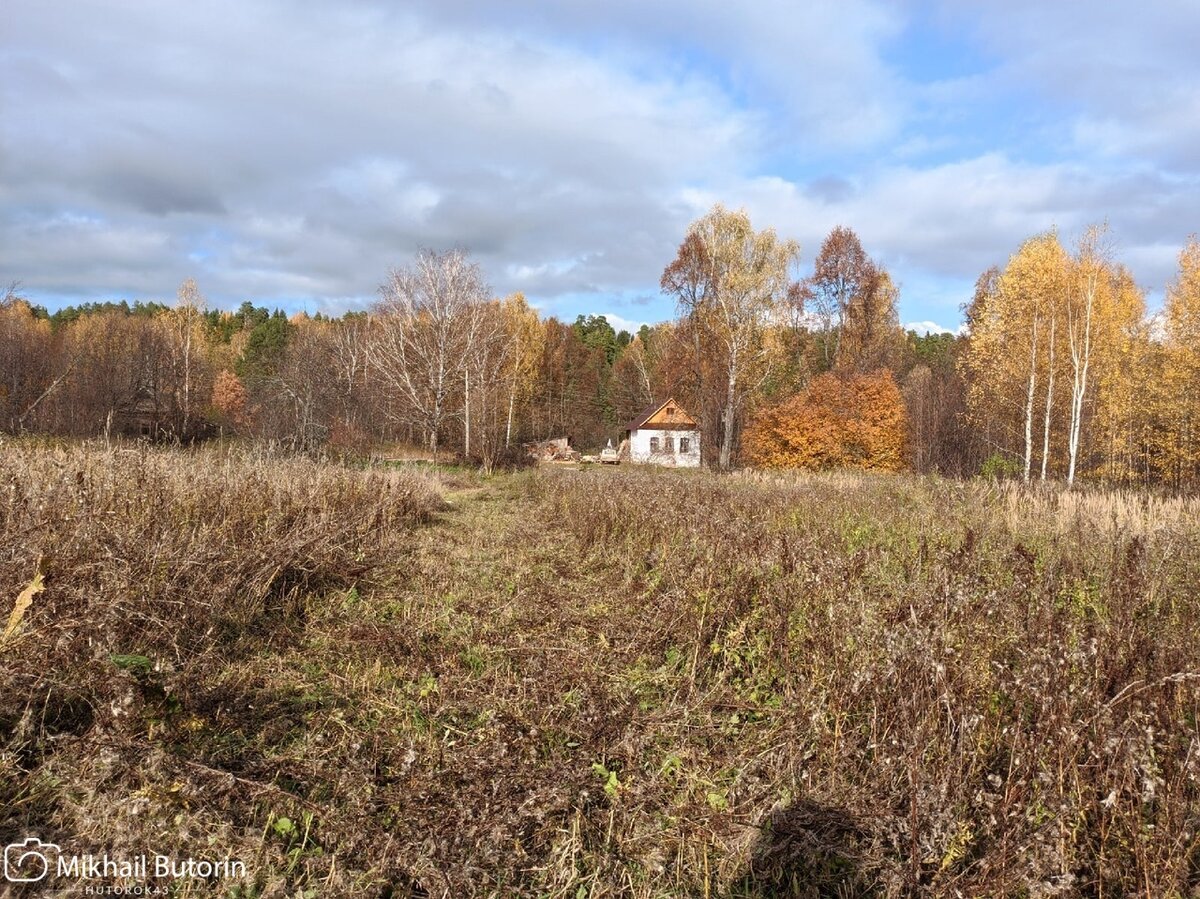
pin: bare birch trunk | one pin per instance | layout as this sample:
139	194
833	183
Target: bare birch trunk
1049	402
1081	357
1076	423
45	393
1029	401
187	377
512	399
727	439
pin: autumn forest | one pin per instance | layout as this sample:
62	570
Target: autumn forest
1060	372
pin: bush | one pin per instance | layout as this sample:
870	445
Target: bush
999	467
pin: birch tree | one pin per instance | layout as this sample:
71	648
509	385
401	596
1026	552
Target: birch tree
1055	317
490	366
350	348
842	273
188	340
27	362
731	279
425	324
871	334
302	390
1051	345
1013	329
1085	297
526	338
690	279
1125	390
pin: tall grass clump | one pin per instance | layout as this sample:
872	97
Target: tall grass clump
170	553
158	568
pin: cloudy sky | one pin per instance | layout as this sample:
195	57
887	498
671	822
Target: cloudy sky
292	151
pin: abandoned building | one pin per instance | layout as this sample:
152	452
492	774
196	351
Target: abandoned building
139	416
663	434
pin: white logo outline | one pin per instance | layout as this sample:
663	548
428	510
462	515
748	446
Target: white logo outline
17	855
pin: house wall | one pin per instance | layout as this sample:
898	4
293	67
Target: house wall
639	448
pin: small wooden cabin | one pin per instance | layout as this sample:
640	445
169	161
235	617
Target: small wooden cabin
140	416
663	434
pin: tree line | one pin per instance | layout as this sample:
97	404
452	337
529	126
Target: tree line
1060	373
1067	375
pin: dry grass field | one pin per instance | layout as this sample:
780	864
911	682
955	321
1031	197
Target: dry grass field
558	683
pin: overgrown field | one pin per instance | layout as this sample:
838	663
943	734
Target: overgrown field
598	683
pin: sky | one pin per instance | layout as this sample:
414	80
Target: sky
292	152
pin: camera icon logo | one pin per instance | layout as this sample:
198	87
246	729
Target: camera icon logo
28	861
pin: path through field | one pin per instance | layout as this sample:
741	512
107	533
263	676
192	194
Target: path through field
564	735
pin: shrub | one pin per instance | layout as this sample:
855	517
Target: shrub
999	467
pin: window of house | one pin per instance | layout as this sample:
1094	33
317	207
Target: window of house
670	410
684	444
670	444
654	444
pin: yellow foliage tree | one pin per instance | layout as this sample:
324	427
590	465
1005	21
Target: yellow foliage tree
1126	363
26	373
1014	356
1054	358
1178	450
729	281
525	337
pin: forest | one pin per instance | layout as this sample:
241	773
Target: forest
1060	373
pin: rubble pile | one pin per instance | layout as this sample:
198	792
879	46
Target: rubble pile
557	450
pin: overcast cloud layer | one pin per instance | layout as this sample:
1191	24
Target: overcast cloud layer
292	152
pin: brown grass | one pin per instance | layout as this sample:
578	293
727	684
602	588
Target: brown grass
605	683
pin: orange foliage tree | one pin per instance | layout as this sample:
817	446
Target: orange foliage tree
230	401
840	421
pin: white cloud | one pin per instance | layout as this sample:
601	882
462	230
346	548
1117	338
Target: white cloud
819	66
274	150
342	141
927	328
940	226
1110	79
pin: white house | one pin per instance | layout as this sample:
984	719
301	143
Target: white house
663	434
